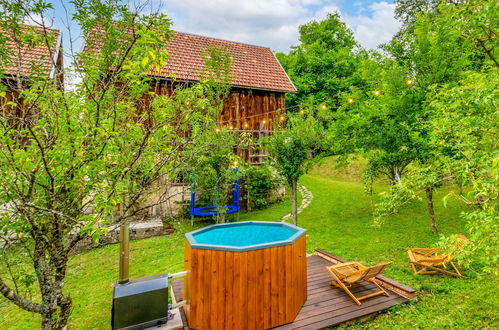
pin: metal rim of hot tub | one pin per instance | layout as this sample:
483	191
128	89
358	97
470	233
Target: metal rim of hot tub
194	244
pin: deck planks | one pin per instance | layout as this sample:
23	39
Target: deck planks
327	305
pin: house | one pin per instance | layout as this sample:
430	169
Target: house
259	83
255	103
22	61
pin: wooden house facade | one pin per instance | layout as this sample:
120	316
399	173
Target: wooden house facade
258	86
259	82
23	61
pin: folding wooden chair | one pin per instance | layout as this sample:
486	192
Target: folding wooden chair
429	261
347	273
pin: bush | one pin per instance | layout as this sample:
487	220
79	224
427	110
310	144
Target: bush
261	183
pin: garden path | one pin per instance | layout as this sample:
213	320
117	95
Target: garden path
307	198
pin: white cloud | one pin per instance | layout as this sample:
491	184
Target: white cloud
377	28
274	23
271	23
322	13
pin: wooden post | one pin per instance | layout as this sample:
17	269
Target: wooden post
124	245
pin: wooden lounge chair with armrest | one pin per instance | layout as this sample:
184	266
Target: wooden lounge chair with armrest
347	273
429	261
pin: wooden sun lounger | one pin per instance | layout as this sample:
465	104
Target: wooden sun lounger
347	273
429	261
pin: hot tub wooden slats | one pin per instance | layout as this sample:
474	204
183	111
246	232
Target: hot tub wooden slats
254	289
259	308
267	262
229	278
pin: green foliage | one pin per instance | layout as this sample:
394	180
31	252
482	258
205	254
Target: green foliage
211	157
380	121
477	22
213	169
411	187
217	61
457	84
465	133
292	147
324	64
407	10
260	182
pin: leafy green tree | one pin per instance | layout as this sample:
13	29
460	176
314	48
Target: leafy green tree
291	149
392	127
78	152
407	10
260	181
467	126
454	65
324	63
213	169
477	22
474	20
377	121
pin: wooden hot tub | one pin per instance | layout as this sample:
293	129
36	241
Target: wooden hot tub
244	275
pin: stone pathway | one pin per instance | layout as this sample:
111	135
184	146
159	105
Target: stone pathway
307	198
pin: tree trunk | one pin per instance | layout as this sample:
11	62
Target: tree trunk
50	266
397	177
431	210
57	318
222	217
294	197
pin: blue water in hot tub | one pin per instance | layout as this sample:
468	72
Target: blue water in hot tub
244	234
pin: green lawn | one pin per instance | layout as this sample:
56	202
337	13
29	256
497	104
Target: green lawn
338	220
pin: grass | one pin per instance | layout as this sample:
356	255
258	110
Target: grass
338	220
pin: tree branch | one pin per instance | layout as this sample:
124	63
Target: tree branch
18	300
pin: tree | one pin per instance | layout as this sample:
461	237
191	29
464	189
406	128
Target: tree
291	148
447	63
475	20
467	125
377	121
407	10
78	152
324	63
214	169
390	119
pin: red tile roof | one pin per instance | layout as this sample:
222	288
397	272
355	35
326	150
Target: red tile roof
253	67
22	59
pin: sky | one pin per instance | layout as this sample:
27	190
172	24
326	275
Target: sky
269	23
274	23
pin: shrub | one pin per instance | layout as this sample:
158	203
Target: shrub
261	183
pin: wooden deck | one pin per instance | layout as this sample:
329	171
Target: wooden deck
327	305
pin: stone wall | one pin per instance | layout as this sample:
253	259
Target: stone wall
138	230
